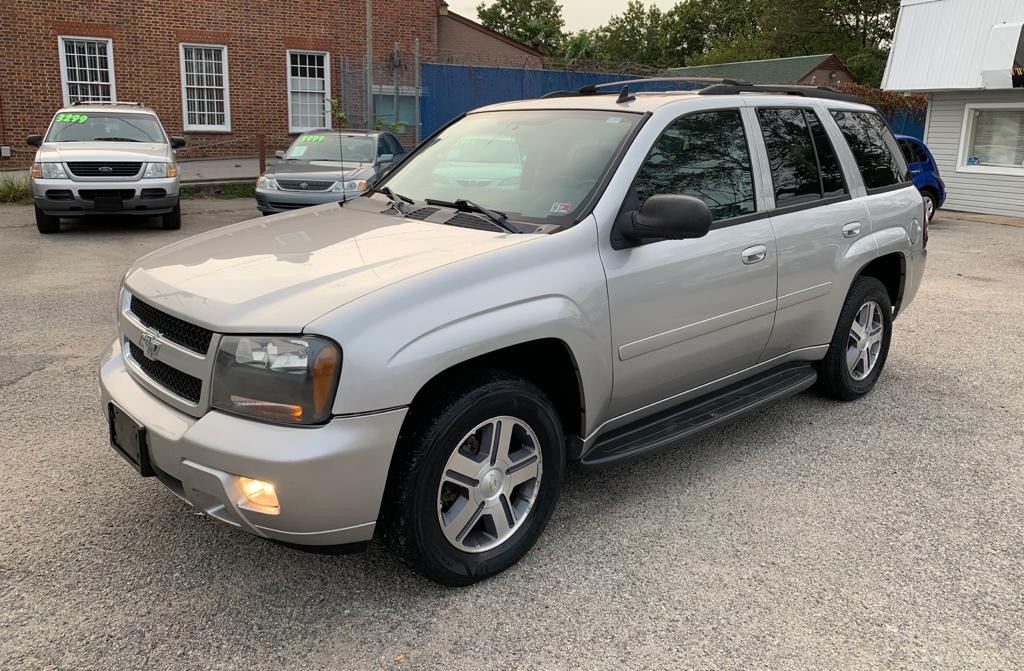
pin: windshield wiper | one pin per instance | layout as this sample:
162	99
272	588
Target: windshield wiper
115	139
463	205
397	199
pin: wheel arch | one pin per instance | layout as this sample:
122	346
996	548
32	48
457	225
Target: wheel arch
891	270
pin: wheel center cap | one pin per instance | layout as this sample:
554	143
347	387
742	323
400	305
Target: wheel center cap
491	483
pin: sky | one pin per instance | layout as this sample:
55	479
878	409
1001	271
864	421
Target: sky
577	13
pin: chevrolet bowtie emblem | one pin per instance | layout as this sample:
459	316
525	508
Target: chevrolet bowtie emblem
150	343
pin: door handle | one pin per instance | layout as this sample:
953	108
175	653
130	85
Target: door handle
851	230
755	254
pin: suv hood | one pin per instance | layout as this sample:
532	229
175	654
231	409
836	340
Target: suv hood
147	152
276	275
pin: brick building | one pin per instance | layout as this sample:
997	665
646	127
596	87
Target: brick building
217	73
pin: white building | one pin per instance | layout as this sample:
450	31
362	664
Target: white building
968	56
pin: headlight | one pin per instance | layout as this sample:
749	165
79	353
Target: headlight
355	186
265	182
154	170
284	379
49	171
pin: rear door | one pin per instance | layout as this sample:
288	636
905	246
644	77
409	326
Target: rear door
816	223
687	312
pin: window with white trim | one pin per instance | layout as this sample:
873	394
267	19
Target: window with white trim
205	102
993	139
309	74
87	69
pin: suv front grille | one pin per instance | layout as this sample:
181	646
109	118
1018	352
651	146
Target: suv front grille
104	168
304	185
193	337
181	384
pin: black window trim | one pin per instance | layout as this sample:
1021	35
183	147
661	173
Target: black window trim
800	207
878	189
757	214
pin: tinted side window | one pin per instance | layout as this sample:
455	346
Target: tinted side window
878	157
703	155
791	156
394	145
832	182
382	146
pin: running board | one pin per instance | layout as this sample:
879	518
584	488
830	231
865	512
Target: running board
666	428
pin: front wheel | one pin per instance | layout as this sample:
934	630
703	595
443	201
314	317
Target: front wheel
478	475
860	345
172	220
46	223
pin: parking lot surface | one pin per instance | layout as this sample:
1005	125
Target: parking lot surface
886	533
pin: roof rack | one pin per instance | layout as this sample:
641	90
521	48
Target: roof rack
624	95
124	103
725	89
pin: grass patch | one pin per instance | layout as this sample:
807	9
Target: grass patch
231	190
15	190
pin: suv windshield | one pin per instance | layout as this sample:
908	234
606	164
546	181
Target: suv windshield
327	146
105	126
536	165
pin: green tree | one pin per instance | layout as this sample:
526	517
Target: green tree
536	23
581	46
637	35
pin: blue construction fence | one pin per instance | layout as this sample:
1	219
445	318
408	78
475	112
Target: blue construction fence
450	90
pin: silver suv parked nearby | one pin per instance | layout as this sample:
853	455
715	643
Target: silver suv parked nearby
423	362
105	158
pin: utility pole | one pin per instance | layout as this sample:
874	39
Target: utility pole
369	63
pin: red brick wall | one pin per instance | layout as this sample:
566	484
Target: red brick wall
146	35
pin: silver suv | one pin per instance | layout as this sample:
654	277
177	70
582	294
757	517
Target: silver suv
105	158
423	362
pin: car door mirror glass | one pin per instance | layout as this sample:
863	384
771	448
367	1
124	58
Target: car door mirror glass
34	140
177	142
385	158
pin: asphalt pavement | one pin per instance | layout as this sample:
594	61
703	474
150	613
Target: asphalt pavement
886	533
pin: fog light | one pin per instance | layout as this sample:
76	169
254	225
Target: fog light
259	495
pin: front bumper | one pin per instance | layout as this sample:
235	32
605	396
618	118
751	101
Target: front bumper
276	200
329	479
75	198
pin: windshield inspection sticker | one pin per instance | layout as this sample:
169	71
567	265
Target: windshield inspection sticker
561	208
312	138
298	151
72	118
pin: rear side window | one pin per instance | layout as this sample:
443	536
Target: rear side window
704	155
804	165
878	157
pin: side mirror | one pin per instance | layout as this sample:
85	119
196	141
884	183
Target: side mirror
279	154
385	158
177	142
34	140
667	217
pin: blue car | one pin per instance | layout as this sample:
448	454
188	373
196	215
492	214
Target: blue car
924	172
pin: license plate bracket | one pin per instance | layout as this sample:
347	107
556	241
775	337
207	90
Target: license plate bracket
128	438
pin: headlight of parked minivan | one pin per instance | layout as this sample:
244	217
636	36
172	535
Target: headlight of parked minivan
154	170
291	380
265	182
48	171
353	186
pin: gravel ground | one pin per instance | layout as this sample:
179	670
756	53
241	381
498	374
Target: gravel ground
885	533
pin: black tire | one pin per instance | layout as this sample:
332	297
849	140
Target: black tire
933	208
432	433
834	376
47	223
172	220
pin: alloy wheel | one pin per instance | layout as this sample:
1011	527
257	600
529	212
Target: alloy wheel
865	341
489	484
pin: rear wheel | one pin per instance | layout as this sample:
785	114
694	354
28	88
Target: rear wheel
478	476
172	220
47	223
930	205
860	345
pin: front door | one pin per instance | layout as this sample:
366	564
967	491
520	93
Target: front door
687	312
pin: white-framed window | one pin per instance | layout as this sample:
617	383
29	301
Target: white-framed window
384	105
205	99
86	69
309	77
992	141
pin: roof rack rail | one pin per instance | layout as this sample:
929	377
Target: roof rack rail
725	89
106	102
623	86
